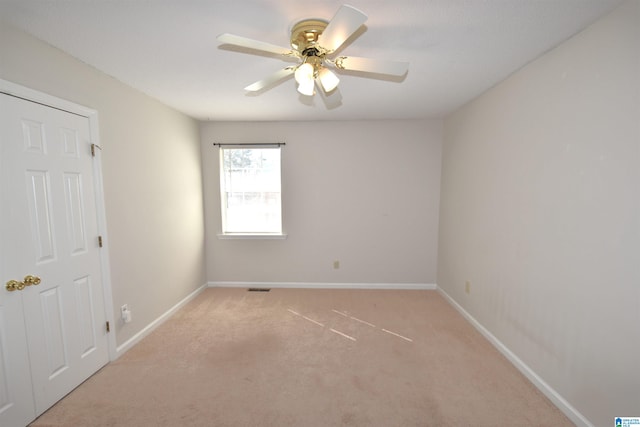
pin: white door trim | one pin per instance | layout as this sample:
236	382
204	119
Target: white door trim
13	89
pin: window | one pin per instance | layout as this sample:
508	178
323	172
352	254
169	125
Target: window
250	191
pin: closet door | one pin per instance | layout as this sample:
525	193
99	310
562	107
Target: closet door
51	268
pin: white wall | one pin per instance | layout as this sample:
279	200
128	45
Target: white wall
152	178
365	193
540	210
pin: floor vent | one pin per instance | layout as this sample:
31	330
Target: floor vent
259	289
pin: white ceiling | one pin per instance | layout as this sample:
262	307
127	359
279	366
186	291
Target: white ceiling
457	49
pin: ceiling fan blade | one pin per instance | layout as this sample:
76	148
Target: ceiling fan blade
271	79
379	66
254	44
345	22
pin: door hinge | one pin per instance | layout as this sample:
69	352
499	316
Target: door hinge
108	327
100	241
93	149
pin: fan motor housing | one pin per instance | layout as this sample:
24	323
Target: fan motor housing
304	34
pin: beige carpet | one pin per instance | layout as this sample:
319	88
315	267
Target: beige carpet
295	357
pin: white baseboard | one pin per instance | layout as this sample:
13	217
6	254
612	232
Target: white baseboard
320	285
572	413
122	348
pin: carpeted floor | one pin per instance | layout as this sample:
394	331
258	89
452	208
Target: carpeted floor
303	357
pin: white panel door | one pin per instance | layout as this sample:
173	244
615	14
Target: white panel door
17	407
49	231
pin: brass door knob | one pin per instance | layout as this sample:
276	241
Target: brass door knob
14	285
31	280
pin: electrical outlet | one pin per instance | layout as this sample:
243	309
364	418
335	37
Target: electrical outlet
125	313
467	287
336	265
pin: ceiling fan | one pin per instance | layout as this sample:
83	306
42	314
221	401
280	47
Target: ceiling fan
314	42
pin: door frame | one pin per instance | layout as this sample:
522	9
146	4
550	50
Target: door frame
13	89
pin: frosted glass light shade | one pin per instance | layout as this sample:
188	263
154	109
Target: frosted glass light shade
304	74
306	87
328	79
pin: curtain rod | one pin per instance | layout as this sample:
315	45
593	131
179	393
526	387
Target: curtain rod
249	144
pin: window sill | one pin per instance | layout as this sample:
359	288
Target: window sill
252	236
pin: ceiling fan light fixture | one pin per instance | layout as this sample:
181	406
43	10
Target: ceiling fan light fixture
314	42
304	73
306	87
328	79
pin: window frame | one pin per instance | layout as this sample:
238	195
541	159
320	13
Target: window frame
250	234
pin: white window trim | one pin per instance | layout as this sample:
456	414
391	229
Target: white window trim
252	236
